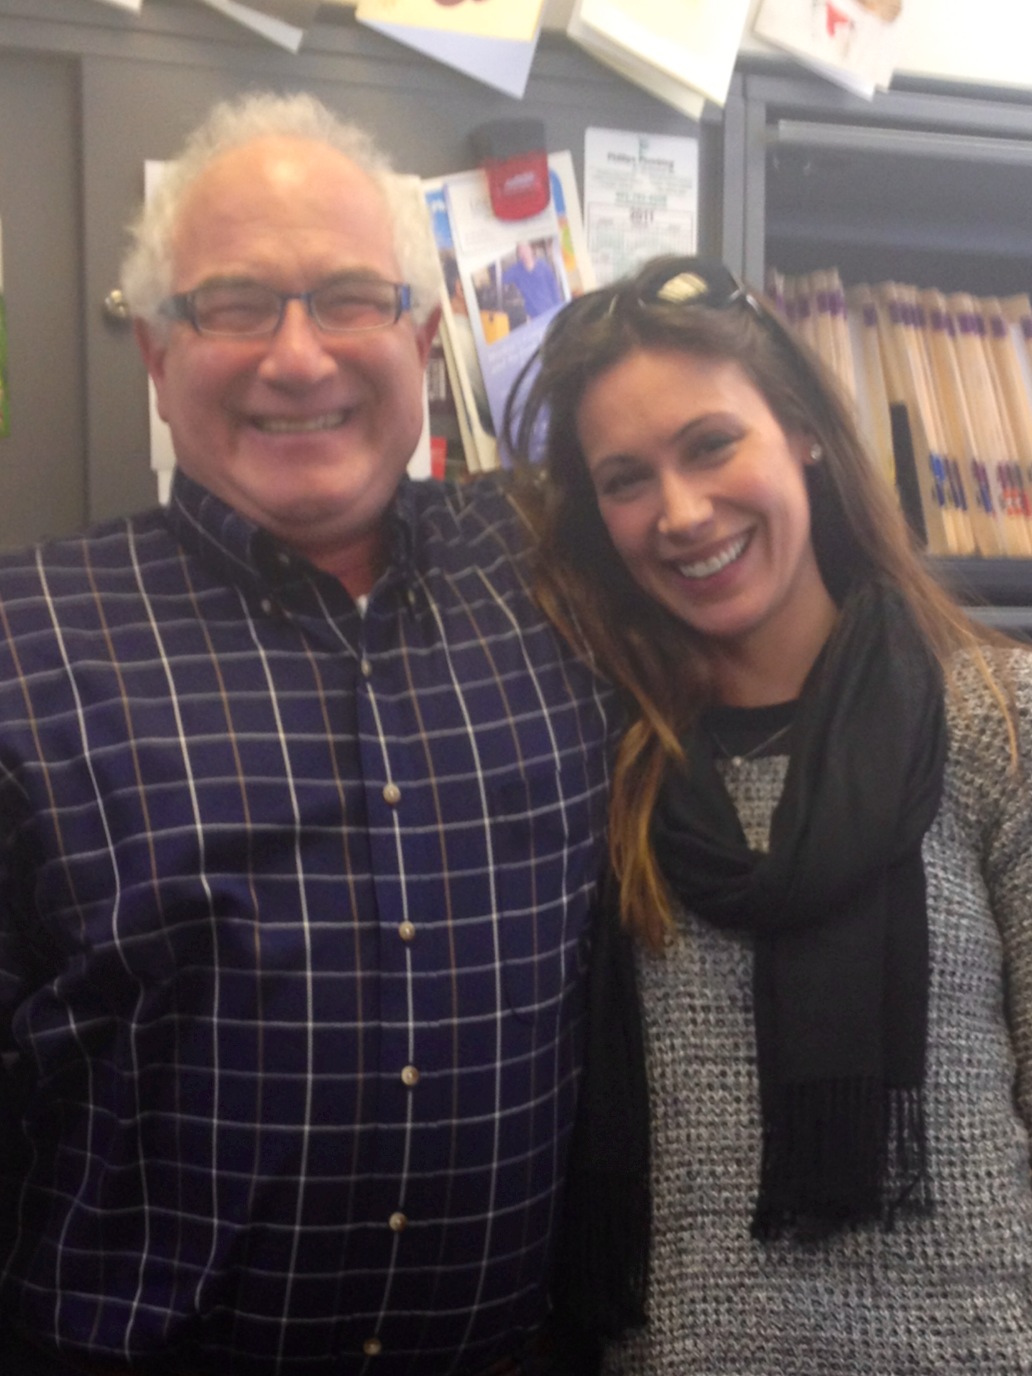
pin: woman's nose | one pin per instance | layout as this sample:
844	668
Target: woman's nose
686	507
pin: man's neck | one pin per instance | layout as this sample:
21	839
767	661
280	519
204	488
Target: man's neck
358	565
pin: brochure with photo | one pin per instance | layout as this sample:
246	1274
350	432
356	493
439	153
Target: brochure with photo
460	351
503	282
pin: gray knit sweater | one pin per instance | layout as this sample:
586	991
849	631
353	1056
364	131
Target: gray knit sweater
949	1294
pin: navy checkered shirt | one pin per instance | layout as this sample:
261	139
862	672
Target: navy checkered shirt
292	915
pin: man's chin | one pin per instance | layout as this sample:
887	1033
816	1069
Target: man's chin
324	520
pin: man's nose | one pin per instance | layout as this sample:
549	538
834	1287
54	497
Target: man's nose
298	347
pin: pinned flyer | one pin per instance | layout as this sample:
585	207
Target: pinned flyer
273	19
685	49
854	43
492	41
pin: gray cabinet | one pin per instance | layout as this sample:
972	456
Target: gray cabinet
927	187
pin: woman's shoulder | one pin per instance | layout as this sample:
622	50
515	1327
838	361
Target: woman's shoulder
989	711
977	678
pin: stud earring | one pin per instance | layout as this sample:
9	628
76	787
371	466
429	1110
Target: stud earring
816	452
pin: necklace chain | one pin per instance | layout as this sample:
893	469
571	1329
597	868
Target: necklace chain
736	760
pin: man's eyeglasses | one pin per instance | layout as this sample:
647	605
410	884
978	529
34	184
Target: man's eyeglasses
247	310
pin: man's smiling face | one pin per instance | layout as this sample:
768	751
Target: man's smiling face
304	432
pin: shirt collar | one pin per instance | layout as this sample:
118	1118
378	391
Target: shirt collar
243	553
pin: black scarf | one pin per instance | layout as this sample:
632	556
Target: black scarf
600	1273
838	919
838	916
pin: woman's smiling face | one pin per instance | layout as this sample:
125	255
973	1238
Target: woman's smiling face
704	496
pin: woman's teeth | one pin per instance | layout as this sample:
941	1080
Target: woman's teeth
706	568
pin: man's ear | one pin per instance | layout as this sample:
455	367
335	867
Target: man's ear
153	347
424	334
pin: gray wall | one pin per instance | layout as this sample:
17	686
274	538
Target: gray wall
43	459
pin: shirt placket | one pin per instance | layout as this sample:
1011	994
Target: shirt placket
412	963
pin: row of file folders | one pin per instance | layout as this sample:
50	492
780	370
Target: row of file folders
942	386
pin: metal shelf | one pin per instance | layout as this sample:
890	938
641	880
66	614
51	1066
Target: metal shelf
905	143
998	583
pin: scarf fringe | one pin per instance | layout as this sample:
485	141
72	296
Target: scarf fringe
602	1266
838	1153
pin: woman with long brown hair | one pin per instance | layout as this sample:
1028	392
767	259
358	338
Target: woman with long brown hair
821	840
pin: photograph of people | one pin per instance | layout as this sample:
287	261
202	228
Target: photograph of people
531	273
810	1047
517	288
463	340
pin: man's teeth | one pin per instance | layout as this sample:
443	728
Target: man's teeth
272	426
705	568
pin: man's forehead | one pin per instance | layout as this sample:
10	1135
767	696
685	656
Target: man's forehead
277	197
284	163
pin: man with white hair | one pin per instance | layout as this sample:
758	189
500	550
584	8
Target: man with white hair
301	813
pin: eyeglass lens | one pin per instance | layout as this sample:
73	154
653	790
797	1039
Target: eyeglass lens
344	305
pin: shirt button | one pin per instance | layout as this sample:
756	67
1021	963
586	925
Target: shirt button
398	1223
372	1347
392	794
366	667
407	931
410	1076
273	610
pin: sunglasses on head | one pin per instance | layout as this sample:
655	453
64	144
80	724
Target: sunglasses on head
691	282
676	282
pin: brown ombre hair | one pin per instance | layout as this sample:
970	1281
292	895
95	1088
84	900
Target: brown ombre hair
691	306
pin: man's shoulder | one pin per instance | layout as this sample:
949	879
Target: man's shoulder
105	550
479	514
